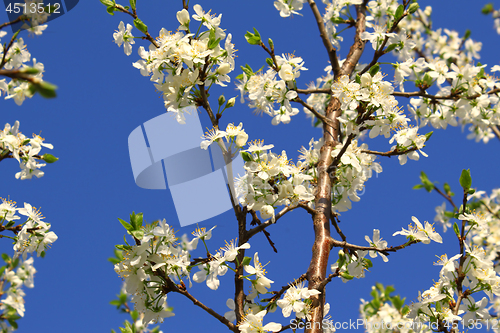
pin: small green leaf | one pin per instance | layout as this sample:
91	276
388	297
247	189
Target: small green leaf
428	135
247	157
471	191
107	3
139	234
29	70
399	12
116	303
111	10
6	257
140	25
126	225
133	4
346	276
374	70
270	62
390	48
358	79
465	179
9	224
413	8
45	89
417	187
488	8
253	38
246	261
455	228
49	158
467	34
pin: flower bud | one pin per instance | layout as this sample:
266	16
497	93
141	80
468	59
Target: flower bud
224	69
183	17
221	99
266	212
241	139
231	102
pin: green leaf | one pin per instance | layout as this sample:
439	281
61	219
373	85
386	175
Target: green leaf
467	34
246	261
253	38
107	3
390	48
9	224
139	234
456	229
270	62
346	276
374	70
368	263
6	257
111	10
358	79
426	183
247	157
465	179
133	4
471	191
417	187
399	12
45	89
449	214
29	70
126	225
116	303
140	26
413	8
137	221
488	8
49	158
428	135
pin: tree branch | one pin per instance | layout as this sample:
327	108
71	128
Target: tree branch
332	53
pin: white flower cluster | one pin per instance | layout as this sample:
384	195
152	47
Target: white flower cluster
447	58
36	17
14	294
289	7
386	313
232	134
35	234
271	180
296	299
263	89
25	150
417	232
353	170
184	59
17	58
161	255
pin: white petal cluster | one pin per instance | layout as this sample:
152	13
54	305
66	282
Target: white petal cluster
272	180
17	58
184	60
263	89
25	150
12	282
161	255
232	134
420	233
289	7
296	299
354	169
252	323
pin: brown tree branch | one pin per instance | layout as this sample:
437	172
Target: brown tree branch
332	53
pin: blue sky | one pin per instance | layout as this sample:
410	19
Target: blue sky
102	98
